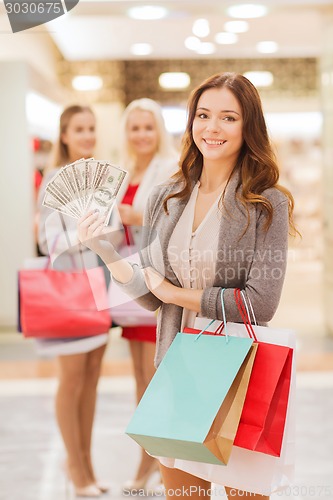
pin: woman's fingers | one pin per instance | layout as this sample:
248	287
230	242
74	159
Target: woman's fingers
90	226
95	225
87	217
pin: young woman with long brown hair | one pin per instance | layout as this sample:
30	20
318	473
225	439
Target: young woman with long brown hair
221	222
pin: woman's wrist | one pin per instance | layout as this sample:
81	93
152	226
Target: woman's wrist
107	252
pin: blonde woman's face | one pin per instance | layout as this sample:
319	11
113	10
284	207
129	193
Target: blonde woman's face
142	133
80	136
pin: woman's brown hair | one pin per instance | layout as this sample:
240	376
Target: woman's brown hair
256	162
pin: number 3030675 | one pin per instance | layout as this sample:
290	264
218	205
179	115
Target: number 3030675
33	7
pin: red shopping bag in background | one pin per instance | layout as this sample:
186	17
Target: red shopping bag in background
61	304
262	422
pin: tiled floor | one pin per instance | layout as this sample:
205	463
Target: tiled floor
31	453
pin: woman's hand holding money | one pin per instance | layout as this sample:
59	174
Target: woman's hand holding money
93	234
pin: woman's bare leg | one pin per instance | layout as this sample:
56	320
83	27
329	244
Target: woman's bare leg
143	363
87	405
180	484
71	377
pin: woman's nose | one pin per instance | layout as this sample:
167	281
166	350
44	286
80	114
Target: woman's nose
213	125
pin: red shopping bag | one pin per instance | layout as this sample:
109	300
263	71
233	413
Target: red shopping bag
60	304
262	422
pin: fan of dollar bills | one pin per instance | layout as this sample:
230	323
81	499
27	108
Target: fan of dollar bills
84	185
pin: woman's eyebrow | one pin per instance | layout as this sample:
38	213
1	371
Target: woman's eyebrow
222	111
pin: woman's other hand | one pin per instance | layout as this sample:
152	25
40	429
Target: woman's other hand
159	286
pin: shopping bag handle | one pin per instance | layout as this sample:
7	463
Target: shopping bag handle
54	245
248	305
244	312
222	326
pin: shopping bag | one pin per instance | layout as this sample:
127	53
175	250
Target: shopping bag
192	405
61	304
263	416
29	263
127	312
248	470
124	310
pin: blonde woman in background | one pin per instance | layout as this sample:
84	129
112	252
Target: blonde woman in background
148	154
79	360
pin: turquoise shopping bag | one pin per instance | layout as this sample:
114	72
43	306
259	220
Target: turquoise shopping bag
199	373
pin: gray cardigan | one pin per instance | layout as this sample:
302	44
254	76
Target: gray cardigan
254	260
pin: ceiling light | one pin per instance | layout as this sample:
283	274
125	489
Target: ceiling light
201	28
267	47
247	11
147	12
174	80
141	49
236	26
206	48
192	43
226	38
87	82
260	78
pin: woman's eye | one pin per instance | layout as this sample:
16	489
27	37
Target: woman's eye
229	118
202	115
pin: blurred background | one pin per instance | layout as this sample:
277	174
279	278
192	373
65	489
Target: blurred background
105	54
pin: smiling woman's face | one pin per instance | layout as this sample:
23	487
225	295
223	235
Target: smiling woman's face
142	133
80	136
218	127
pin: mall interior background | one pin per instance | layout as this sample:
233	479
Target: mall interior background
37	68
96	39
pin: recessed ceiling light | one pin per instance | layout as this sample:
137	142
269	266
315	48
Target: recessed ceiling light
201	28
141	49
206	48
236	26
260	78
192	43
147	12
174	80
87	82
267	47
226	38
247	11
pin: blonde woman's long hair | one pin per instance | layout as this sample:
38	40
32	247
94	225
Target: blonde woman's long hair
165	148
59	155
